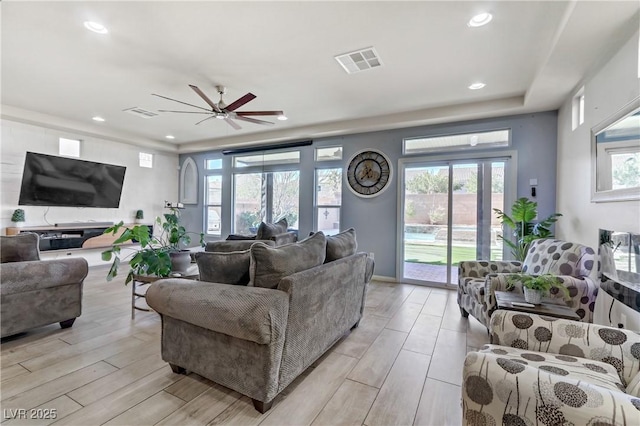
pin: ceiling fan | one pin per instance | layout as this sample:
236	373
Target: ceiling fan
225	112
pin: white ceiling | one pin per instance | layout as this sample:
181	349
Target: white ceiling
531	56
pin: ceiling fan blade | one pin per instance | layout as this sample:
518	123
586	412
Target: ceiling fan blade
253	120
205	98
233	123
186	112
238	103
208	118
175	100
247	113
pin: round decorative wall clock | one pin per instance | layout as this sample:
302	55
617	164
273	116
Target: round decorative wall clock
368	173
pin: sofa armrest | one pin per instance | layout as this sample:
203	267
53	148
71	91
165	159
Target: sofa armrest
324	303
20	277
560	336
482	268
249	313
371	264
284	238
497	390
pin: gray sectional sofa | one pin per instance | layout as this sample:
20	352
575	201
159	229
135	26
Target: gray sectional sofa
257	338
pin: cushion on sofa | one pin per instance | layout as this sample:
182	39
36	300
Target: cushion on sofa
269	265
587	370
232	245
224	267
20	248
341	245
266	231
634	386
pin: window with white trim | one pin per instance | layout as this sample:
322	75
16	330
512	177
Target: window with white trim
328	200
145	160
69	147
213	204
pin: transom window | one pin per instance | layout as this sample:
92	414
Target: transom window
474	140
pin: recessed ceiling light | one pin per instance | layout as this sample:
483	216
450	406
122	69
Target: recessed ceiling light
480	20
282	117
97	118
96	27
170	137
476	86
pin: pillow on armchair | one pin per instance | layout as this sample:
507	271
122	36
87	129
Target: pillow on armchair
20	248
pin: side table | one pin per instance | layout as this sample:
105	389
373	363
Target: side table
556	308
140	285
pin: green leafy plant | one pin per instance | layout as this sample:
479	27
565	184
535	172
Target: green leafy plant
139	214
525	230
543	283
153	256
18	215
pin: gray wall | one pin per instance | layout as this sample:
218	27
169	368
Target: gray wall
533	137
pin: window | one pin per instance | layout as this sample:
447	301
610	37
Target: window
328	200
213	204
265	196
475	140
215	164
69	147
329	154
145	160
266	187
577	109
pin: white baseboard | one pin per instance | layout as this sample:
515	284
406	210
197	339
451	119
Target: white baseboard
383	278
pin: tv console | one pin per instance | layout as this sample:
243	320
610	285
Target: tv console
81	236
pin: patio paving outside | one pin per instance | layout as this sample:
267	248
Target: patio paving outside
427	272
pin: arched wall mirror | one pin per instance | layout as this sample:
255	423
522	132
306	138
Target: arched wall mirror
189	182
615	156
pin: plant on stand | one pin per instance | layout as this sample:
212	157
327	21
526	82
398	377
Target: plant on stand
535	287
18	217
158	255
525	230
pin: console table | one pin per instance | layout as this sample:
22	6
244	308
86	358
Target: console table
72	237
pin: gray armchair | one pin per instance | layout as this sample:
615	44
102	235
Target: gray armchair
37	292
572	263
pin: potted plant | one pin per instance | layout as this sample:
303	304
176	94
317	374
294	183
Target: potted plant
158	255
139	216
525	230
535	287
18	217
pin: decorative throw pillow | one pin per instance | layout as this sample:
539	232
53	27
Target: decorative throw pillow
341	245
268	230
270	265
20	248
226	268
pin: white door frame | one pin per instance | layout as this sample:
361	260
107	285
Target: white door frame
510	191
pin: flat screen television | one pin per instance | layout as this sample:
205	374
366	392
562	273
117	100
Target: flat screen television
48	180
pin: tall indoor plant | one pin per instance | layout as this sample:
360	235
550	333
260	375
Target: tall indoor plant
525	230
157	254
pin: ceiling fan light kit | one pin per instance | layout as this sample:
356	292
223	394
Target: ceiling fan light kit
222	111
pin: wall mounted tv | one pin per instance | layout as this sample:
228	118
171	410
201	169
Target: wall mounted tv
58	181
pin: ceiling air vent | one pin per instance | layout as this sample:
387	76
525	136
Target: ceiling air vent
359	60
141	112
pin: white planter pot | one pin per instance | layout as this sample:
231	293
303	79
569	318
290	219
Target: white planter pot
18	224
532	296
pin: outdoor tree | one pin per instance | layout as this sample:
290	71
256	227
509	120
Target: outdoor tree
430	182
627	174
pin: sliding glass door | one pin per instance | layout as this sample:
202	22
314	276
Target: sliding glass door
447	215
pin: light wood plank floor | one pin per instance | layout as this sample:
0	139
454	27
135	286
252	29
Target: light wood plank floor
402	366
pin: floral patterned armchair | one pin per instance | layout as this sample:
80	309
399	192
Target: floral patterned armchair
547	371
571	263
